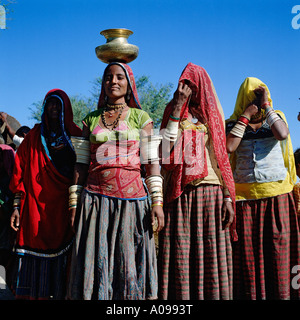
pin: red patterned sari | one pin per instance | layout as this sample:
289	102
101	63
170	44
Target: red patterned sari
207	102
194	250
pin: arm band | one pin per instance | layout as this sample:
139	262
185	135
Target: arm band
17	200
154	185
82	149
171	131
74	195
239	129
149	149
271	116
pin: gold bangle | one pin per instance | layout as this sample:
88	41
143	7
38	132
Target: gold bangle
17	199
157	204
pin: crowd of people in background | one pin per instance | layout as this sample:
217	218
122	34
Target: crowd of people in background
206	210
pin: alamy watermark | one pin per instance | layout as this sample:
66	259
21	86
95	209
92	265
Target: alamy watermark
296	19
295	280
2	17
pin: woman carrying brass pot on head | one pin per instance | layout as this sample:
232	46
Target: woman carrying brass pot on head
114	251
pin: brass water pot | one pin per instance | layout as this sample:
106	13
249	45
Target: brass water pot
117	47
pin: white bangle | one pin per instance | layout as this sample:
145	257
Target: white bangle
271	116
82	149
239	129
154	185
149	148
75	188
171	131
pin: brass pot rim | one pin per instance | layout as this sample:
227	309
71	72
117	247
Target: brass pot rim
116	32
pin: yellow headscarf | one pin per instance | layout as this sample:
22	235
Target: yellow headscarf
246	95
268	189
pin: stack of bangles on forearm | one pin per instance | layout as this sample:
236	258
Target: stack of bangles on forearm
74	195
17	200
271	115
239	129
171	130
154	184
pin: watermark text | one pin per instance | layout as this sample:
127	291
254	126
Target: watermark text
296	19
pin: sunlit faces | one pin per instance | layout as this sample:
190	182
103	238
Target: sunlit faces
115	84
53	108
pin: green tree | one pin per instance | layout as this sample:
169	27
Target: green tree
4	14
153	99
81	107
36	111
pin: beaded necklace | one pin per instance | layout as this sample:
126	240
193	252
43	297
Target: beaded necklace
116	106
120	108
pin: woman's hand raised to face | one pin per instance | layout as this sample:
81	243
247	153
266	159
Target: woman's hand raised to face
261	91
180	96
251	110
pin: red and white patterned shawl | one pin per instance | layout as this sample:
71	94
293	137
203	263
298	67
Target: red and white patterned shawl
206	98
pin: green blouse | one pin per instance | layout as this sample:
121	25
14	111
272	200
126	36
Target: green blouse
127	129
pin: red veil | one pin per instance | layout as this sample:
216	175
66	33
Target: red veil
44	221
206	99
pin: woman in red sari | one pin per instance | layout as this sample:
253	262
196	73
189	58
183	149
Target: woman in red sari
195	246
43	172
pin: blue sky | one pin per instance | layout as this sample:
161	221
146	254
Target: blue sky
51	44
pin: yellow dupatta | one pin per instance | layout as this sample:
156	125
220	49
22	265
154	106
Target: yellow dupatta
249	191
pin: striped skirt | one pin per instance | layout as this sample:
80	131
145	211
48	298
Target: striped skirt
114	251
195	253
267	249
39	278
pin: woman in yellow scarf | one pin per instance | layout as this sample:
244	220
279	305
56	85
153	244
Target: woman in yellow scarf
263	166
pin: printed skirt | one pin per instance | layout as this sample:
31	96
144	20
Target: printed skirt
195	252
267	251
114	254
